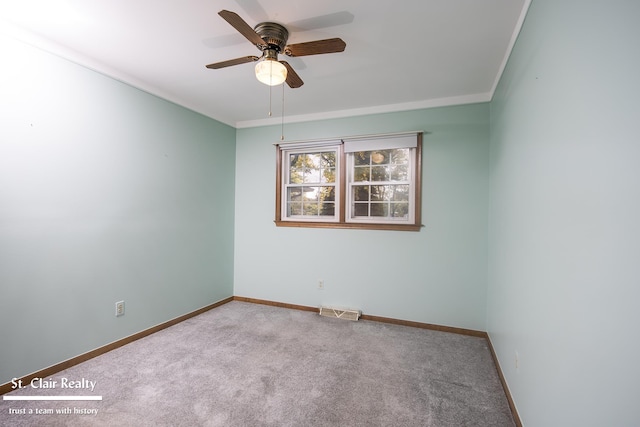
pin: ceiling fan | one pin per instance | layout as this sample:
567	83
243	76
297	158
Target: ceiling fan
271	39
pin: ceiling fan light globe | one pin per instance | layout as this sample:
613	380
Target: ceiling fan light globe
271	72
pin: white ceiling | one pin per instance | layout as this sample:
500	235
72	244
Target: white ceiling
400	55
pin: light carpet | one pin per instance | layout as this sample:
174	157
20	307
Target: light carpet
244	364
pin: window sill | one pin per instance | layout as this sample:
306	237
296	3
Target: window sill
352	225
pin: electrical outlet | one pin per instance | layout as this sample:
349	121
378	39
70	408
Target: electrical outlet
320	284
120	308
517	360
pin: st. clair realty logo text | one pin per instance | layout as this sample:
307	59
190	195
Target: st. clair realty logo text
65	383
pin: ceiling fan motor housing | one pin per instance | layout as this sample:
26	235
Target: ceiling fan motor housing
274	35
271	39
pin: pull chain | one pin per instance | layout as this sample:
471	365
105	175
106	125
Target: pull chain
270	77
282	122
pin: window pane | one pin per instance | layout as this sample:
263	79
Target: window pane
399	210
294	194
328	160
327	194
361	209
310	208
361	193
400	193
312	160
379	173
311	176
379	209
361	173
294	208
310	193
328	209
362	158
296	176
294	160
400	156
379	157
399	172
328	175
380	192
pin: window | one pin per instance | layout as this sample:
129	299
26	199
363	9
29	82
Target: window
366	182
310	185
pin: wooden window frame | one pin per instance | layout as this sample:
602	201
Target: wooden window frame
341	203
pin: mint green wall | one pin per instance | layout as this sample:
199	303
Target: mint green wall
437	275
564	270
106	193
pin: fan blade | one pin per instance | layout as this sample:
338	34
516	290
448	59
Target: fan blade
231	62
242	27
293	79
315	48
